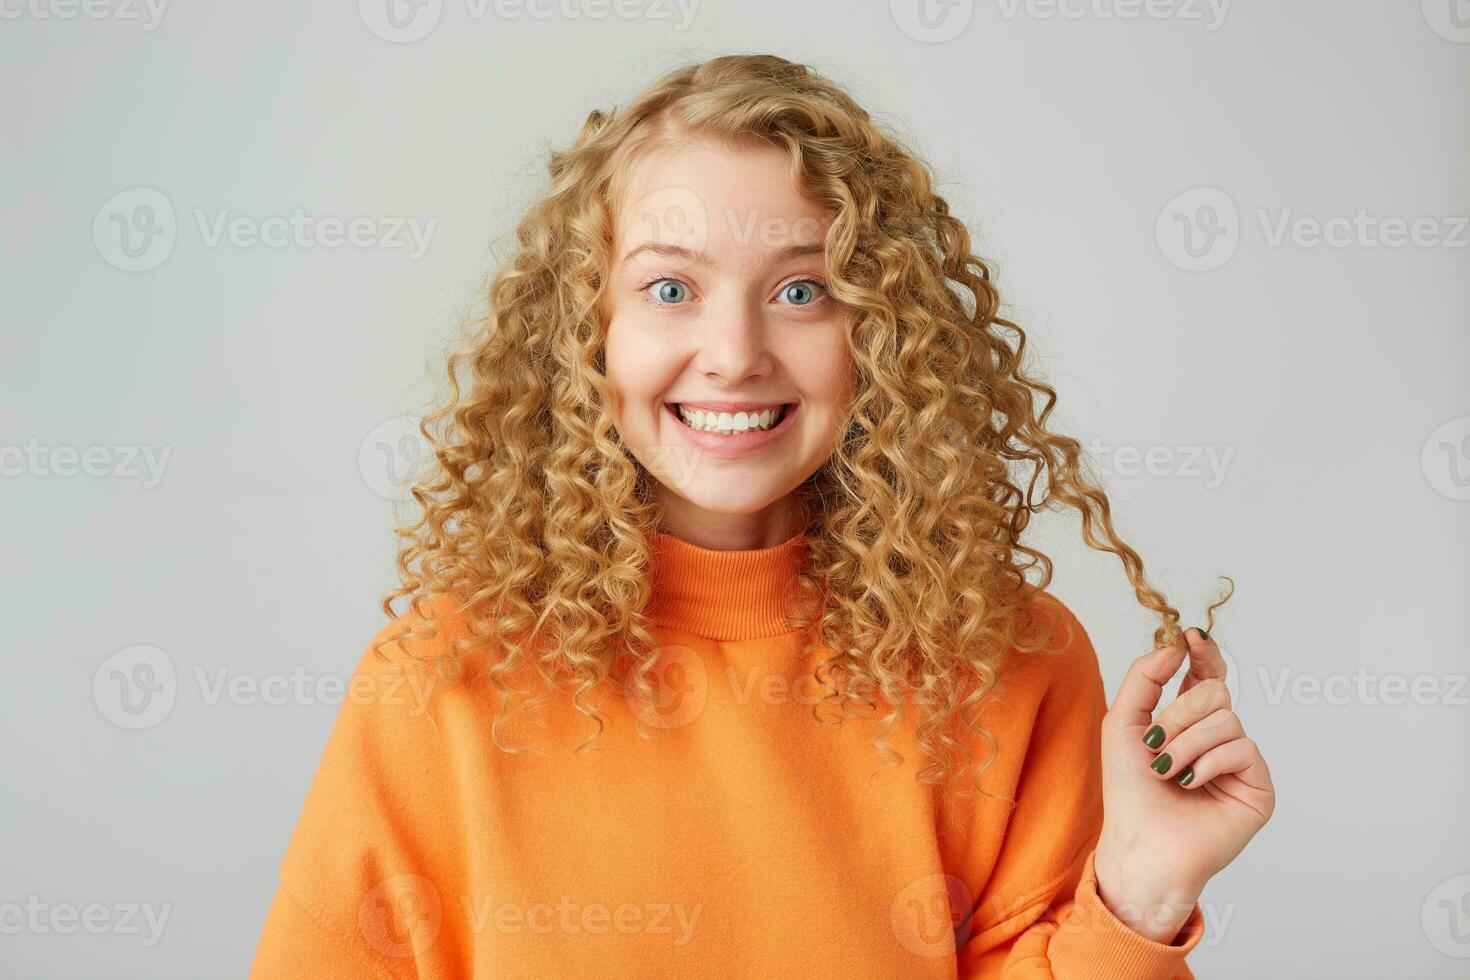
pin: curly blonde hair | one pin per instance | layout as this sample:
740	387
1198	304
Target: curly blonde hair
536	520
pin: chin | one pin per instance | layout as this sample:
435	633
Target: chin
720	500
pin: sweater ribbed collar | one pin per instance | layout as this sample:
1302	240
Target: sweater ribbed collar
723	595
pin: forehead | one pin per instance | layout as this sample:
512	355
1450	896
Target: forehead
716	198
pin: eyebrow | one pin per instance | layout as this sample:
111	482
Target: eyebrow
700	258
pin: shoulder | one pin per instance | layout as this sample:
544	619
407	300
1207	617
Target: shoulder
1063	653
1039	682
432	630
408	667
392	710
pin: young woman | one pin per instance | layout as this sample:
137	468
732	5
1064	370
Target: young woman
723	655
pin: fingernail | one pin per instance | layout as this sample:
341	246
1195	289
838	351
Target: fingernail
1186	777
1202	634
1161	764
1154	737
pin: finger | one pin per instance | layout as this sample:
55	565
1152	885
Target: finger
1190	708
1205	662
1142	687
1240	756
1186	748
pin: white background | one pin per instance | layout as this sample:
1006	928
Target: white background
1329	383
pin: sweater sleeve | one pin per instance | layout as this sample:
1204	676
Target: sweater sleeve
355	897
1039	915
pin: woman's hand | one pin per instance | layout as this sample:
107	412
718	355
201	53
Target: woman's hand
1162	839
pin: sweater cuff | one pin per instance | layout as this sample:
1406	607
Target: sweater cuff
1091	941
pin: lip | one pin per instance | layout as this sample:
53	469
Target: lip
718	406
739	444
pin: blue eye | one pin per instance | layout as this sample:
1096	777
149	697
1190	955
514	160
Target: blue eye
669	291
803	292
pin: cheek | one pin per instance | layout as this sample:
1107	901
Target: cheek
635	368
826	376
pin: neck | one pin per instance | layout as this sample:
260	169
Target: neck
765	528
724	594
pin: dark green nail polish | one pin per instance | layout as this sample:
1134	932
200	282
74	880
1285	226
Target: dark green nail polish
1186	777
1154	737
1161	764
1202	634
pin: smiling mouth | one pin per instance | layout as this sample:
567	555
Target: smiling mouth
729	423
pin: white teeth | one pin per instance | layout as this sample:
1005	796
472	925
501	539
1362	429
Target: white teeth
728	423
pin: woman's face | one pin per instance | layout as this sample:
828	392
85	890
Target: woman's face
729	359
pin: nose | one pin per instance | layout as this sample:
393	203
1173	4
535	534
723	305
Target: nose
733	342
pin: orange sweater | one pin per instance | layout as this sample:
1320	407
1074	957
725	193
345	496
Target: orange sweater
746	840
